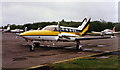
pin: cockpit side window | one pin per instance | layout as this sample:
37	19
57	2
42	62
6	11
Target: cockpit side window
50	28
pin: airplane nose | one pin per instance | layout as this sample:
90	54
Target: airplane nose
39	32
22	34
26	33
35	32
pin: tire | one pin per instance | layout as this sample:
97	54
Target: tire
36	44
81	49
32	49
77	47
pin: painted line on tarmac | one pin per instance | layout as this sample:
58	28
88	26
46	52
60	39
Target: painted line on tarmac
38	66
35	67
67	60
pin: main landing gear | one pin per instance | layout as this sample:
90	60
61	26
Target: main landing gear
78	46
36	44
33	45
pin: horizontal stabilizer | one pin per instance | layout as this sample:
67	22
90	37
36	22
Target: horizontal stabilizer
91	38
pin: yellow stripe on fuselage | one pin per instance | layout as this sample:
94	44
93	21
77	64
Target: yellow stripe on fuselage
48	32
45	32
40	32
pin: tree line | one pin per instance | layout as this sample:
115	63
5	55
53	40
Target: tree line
94	25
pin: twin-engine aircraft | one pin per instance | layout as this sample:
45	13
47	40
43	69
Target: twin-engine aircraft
59	33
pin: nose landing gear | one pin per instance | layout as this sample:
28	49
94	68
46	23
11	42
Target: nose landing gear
33	45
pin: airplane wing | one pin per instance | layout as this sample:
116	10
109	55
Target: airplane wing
91	38
72	37
116	32
99	33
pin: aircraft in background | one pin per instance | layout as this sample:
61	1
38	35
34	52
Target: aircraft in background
17	30
60	33
6	30
106	32
13	31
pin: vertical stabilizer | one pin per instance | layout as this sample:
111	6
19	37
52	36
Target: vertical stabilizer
85	26
85	23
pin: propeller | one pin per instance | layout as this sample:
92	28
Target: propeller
38	29
18	34
25	29
59	28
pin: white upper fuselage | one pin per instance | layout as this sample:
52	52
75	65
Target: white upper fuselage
63	29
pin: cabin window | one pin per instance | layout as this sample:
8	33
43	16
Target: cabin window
71	30
67	30
77	30
62	29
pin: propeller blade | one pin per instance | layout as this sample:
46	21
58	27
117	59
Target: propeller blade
59	28
25	29
17	35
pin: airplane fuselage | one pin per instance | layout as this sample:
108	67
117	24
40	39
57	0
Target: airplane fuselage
52	33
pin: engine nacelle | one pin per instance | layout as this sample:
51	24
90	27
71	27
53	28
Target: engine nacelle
67	37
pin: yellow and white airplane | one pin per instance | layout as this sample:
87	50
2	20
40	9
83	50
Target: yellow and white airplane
59	33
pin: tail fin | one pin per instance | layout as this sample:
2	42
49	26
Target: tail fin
85	22
85	26
113	30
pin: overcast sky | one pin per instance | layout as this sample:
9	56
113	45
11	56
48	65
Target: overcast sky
119	11
28	12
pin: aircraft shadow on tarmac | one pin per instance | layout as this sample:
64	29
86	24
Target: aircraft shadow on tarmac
86	48
63	49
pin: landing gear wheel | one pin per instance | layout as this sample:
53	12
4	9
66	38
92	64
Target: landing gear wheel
36	44
32	48
78	46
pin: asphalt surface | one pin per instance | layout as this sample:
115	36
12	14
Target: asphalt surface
16	54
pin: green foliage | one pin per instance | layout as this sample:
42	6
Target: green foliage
16	26
111	62
94	26
39	25
117	27
100	26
